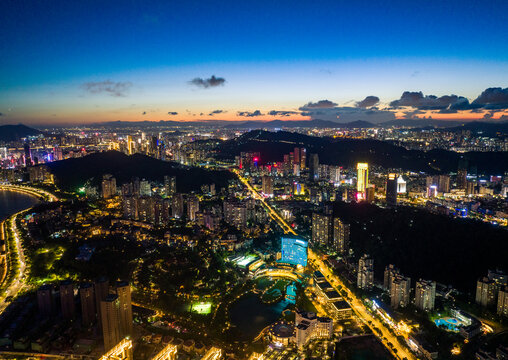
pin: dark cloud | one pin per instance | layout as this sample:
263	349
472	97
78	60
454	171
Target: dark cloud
117	89
430	102
282	113
325	104
143	113
207	83
368	102
172	113
492	98
249	113
216	112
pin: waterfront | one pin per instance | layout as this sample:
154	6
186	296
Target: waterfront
12	201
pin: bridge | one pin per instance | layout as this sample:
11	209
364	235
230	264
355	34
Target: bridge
277	273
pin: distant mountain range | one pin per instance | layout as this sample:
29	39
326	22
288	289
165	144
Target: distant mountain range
71	174
10	133
347	152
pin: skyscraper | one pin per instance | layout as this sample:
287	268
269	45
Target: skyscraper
294	251
321	229
391	190
365	274
362	180
425	295
462	174
400	290
110	320
314	167
341	232
390	272
401	185
486	292
123	290
45	300
28	156
145	189
267	185
88	310
101	289
67	299
130	145
169	185
108	186
502	302
192	207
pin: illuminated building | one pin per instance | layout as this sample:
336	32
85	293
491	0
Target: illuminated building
400	290
45	300
192	207
144	188
370	193
462	175
282	333
177	206
120	351
425	295
321	229
67	299
130	145
110	320
502	302
341	232
28	156
169	352
294	251
88	309
57	153
390	272
213	354
308	326
335	174
123	290
486	292
362	180
267	186
108	186
401	185
169	185
391	190
314	167
365	275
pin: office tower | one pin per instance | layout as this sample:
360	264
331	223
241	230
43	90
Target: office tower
130	145
192	207
314	167
145	189
390	272
462	174
321	229
110	320
502	302
294	251
101	290
267	185
45	300
391	190
362	180
365	276
108	186
67	299
425	295
177	206
401	185
341	236
123	290
169	185
28	156
486	292
87	297
400	290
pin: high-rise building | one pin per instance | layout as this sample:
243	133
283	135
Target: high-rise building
391	190
45	300
303	158
192	207
486	290
334	174
101	290
110	320
294	251
123	290
57	153
28	156
169	185
145	189
443	183
341	232
390	272
130	145
401	185
267	185
365	274
108	186
177	205
425	295
235	213
314	167
88	310
67	299
296	156
362	180
322	229
502	302
462	175
400	290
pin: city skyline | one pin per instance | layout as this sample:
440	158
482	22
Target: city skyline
81	63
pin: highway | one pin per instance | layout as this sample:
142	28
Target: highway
386	337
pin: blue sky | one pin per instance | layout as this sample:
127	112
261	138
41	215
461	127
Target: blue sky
272	54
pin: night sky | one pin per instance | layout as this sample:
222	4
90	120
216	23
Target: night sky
91	61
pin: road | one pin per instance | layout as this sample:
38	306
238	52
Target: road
356	304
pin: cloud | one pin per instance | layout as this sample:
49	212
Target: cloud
249	114
216	112
172	113
320	104
368	102
492	98
143	113
116	89
207	83
282	113
2	114
431	102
